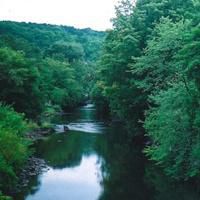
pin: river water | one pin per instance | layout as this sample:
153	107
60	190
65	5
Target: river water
93	161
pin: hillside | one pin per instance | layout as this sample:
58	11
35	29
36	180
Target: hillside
46	64
39	37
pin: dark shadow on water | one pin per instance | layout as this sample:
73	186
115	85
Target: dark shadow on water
123	168
128	175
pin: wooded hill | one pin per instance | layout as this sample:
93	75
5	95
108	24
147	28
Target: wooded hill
46	63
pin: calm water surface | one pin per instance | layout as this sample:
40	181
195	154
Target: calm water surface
93	162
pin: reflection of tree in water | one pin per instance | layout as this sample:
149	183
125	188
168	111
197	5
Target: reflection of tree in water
60	151
65	150
85	114
122	169
127	175
166	189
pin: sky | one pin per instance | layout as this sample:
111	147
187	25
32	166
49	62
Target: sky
95	14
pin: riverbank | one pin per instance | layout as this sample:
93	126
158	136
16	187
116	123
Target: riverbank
39	133
33	167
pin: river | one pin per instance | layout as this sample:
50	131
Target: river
93	161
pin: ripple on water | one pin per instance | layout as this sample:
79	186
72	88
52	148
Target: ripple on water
89	127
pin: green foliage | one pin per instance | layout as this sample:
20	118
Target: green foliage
12	121
149	73
155	70
150	64
133	27
99	97
46	64
44	69
66	51
173	121
58	83
2	197
189	55
171	126
17	76
13	146
35	39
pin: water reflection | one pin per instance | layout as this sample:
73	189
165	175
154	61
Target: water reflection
84	114
70	183
74	169
128	175
65	150
85	166
123	168
166	189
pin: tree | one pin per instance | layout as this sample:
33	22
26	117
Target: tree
19	82
13	146
173	120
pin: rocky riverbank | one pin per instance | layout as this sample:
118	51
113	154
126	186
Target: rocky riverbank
39	133
33	167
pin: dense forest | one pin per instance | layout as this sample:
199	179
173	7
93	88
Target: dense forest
44	69
150	77
145	72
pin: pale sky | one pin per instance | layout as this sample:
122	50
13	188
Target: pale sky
95	14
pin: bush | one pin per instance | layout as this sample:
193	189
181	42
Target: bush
173	125
13	146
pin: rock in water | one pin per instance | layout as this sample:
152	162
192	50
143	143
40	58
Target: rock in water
61	128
